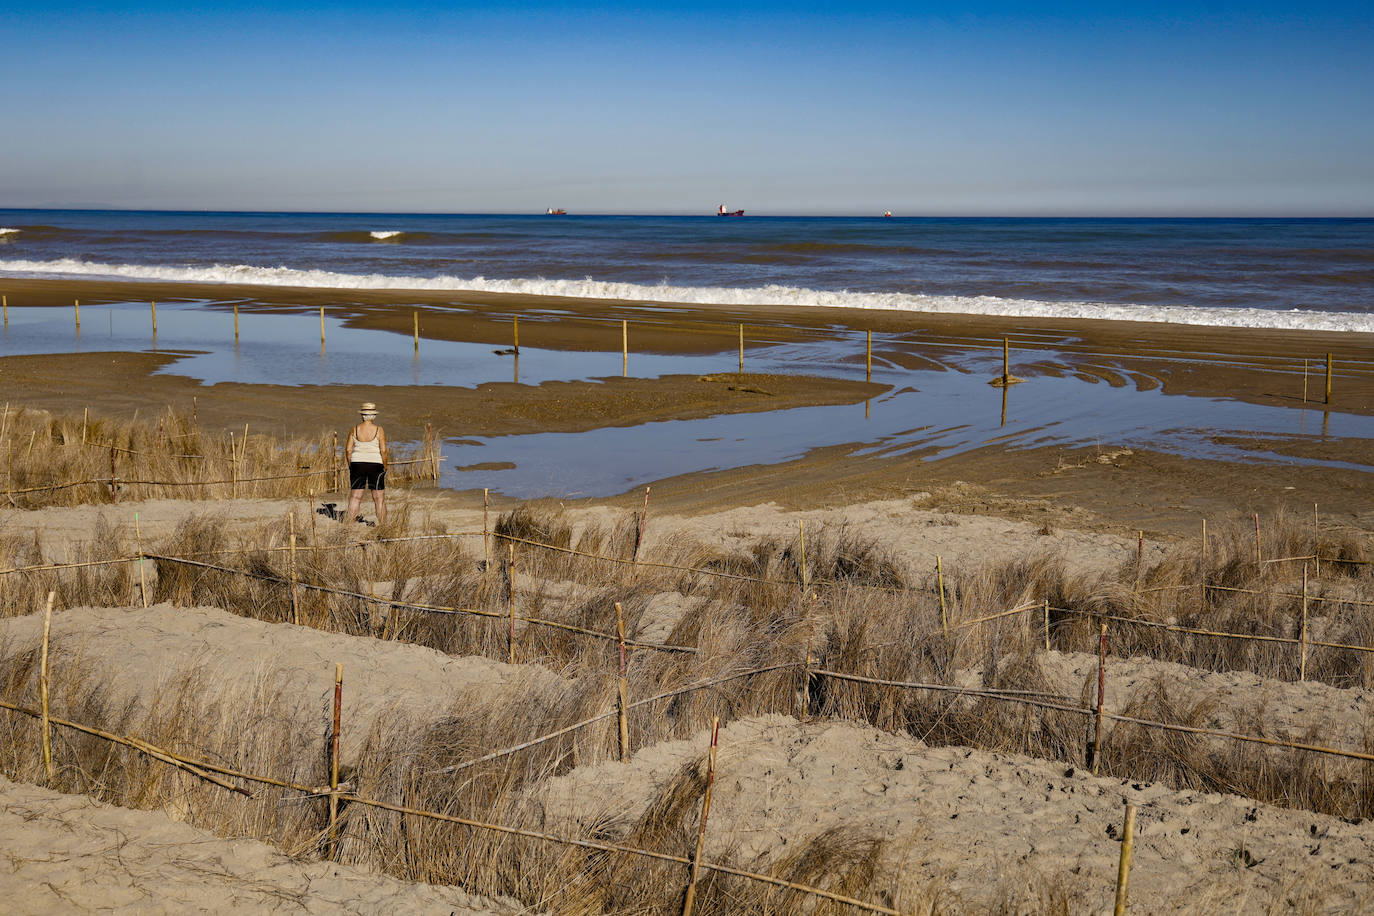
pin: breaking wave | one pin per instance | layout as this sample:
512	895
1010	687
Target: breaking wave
588	288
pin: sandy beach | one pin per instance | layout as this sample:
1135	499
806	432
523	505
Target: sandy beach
845	560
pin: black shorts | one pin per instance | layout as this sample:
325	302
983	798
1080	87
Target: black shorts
366	475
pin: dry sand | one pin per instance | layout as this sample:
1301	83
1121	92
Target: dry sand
71	854
976	820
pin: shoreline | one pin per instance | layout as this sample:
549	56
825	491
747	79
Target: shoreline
1256	365
1097	485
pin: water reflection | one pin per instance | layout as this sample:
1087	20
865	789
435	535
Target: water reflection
942	408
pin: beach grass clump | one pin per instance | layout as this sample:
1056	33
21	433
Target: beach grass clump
70	460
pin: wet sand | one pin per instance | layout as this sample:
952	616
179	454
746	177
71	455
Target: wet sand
1100	486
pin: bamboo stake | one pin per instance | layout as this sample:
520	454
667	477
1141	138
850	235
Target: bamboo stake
334	463
1139	556
1304	381
142	578
868	373
689	902
321	327
1316	544
486	528
1047	624
1101	691
801	542
416	315
639	536
85	421
741	348
236	322
1328	376
334	762
114	481
291	563
623	686
1259	560
76	304
43	687
1123	868
6	302
940	585
515	333
1302	648
624	348
1204	561
233	465
510	605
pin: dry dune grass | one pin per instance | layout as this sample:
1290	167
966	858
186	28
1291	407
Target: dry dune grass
860	613
50	460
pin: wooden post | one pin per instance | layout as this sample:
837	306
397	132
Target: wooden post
1123	868
236	322
1101	691
1006	360
233	465
334	463
321	327
1259	559
142	579
741	348
940	586
624	348
153	305
5	300
801	544
291	562
85	422
689	902
1316	544
1204	561
1139	557
114	482
868	372
334	762
76	304
43	687
1302	635
639	536
1304	380
805	711
486	528
1328	376
1047	624
515	333
623	687
416	315
510	604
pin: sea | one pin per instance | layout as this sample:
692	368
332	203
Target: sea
1313	274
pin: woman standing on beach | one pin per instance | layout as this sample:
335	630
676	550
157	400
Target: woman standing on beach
366	452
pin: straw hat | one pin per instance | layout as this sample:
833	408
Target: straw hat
368	410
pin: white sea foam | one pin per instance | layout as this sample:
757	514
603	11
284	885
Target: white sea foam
1294	319
4	231
384	234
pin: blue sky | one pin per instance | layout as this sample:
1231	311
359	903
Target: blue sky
994	109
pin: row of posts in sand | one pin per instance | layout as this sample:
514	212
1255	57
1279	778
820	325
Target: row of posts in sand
1005	380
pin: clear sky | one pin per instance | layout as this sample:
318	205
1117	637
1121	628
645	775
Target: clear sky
846	108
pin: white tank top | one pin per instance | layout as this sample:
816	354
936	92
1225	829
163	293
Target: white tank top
367	451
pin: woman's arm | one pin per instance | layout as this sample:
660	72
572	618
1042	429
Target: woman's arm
381	446
348	447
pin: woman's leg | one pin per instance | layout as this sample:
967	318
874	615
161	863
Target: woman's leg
355	499
379	502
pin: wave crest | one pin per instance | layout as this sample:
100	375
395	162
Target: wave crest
588	288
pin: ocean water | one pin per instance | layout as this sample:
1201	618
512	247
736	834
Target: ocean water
1273	273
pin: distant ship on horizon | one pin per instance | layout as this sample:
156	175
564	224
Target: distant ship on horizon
555	211
724	212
